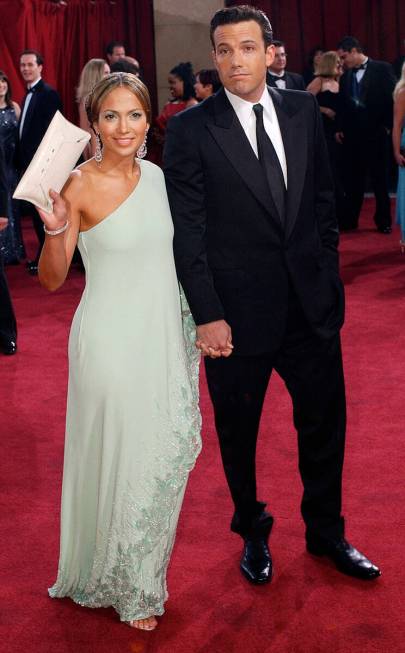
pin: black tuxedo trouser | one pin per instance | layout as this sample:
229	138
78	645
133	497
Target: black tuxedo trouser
364	153
312	370
8	327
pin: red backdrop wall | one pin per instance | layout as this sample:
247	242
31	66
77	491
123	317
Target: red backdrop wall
69	35
303	24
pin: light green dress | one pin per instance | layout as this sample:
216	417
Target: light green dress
133	424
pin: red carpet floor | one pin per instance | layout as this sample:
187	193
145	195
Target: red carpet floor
309	607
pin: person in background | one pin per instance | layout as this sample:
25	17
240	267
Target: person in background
313	60
115	51
325	87
124	65
398	142
363	126
92	72
11	242
38	108
8	325
277	76
207	83
181	85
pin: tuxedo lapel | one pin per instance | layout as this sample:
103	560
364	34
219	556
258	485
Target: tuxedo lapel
30	111
294	137
231	138
365	82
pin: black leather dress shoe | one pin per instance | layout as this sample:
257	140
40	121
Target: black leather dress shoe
256	564
9	347
384	230
346	558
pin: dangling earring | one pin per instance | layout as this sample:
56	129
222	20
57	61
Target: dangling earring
98	154
141	153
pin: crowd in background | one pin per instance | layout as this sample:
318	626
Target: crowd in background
361	100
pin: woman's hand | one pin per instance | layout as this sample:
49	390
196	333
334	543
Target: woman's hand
400	159
328	112
59	215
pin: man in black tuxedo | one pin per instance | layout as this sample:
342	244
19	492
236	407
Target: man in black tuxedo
8	325
363	124
278	76
38	108
255	245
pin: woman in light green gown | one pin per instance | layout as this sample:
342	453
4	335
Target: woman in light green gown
133	424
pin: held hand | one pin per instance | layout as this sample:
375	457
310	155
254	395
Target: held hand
59	214
3	223
339	137
328	112
400	159
214	339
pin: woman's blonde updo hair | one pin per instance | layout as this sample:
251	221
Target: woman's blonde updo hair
110	82
327	65
92	72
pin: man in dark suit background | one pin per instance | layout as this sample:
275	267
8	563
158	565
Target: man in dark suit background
38	108
363	125
8	325
278	76
255	246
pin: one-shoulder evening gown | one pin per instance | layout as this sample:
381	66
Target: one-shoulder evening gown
133	423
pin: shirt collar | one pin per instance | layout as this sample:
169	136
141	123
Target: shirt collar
34	84
244	109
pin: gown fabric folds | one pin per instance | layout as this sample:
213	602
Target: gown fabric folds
133	423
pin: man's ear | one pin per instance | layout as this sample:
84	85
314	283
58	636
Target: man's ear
270	54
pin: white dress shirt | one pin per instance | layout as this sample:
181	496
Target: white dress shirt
26	105
247	118
360	73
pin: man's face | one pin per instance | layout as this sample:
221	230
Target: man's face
117	54
280	60
29	68
241	58
349	58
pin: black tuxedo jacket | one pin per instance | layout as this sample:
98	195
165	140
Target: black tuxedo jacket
234	258
44	103
293	81
375	107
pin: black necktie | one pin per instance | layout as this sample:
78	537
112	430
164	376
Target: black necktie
362	67
270	163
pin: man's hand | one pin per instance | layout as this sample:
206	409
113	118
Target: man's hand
3	223
339	137
214	339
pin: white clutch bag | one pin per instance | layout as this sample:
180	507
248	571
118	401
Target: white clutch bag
52	163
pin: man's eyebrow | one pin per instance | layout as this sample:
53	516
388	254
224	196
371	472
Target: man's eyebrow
242	43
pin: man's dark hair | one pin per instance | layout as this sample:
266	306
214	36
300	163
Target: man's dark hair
124	66
38	55
279	44
239	14
209	76
114	44
347	43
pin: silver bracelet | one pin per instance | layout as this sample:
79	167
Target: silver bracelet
56	232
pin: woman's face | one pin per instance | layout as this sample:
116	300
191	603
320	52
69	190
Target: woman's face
176	86
106	69
122	123
3	87
317	57
202	91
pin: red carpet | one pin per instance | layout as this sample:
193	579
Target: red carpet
309	607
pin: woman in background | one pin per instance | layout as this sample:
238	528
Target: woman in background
11	242
313	61
181	85
325	87
93	71
398	142
207	83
